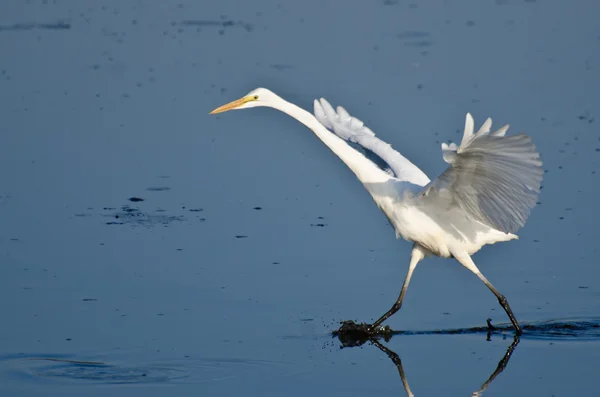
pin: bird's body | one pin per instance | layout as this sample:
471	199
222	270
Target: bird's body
440	233
483	197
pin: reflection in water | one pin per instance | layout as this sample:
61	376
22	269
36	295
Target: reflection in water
479	392
579	329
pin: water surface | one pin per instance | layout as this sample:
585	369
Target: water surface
251	241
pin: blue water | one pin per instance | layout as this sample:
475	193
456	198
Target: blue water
253	241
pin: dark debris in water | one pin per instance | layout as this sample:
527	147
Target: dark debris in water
353	334
132	215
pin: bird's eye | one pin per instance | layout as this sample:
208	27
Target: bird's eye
255	97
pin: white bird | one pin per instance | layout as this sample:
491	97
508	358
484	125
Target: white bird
483	197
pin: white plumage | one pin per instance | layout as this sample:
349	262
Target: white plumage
484	196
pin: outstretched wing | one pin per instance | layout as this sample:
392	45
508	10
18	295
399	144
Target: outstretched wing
495	179
353	130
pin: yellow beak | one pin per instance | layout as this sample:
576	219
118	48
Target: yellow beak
233	105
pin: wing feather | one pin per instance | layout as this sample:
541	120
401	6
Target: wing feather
353	130
495	179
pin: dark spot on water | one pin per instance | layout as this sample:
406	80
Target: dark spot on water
470	23
158	189
536	241
275	263
257	208
317	225
420	43
390	2
35	25
241	236
134	216
280	67
89	299
412	34
68	339
220	25
583	287
135	199
320	217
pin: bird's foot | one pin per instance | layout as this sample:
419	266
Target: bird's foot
351	333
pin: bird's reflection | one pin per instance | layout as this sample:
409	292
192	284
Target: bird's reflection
398	362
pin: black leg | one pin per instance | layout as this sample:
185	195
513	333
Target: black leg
504	303
415	257
467	262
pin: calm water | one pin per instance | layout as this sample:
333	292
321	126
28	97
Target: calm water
252	240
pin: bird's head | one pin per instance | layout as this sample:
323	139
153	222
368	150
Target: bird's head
257	97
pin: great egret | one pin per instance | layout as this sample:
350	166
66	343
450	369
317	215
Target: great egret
483	197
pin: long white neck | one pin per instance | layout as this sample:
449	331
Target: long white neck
363	168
